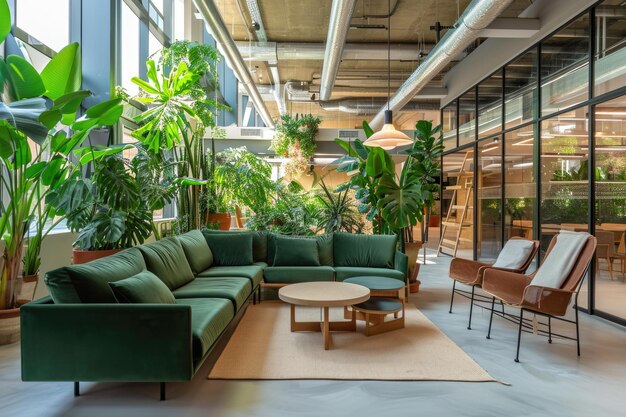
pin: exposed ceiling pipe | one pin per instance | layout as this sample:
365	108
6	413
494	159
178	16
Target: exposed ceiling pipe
209	11
338	26
273	51
477	16
257	20
361	106
279	96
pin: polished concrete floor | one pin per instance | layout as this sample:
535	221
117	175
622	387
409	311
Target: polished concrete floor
550	380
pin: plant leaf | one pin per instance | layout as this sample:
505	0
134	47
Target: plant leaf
62	75
25	79
5	20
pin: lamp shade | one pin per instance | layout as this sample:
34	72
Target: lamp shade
388	137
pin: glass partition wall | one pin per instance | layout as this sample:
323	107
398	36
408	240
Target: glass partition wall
548	131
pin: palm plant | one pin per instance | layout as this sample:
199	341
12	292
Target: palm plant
338	212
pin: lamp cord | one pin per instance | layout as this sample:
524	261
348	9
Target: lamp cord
388	51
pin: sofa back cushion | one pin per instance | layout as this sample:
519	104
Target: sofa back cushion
295	252
324	247
259	241
372	251
145	287
196	250
166	259
230	249
89	282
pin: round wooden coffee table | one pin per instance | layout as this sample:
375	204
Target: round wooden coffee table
323	295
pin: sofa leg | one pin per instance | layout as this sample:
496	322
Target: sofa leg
76	389
259	294
162	391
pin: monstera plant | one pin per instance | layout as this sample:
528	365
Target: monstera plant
39	131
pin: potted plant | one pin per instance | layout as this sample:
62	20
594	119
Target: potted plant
35	155
239	178
338	212
295	139
181	96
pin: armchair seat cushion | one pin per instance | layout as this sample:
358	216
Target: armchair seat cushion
343	272
294	274
253	272
209	318
234	289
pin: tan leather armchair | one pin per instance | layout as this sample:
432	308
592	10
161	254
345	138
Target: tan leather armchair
517	290
471	273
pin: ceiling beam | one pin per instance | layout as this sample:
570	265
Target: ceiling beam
504	27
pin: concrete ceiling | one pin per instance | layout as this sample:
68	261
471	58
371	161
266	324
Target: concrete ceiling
307	21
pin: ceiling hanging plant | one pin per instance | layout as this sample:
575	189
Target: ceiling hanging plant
295	140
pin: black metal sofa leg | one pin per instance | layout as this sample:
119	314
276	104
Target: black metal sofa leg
519	333
452	298
162	391
76	389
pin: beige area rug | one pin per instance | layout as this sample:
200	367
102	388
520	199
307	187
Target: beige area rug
263	347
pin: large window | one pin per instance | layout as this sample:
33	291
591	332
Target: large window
520	185
565	67
520	89
130	57
489	189
467	117
490	105
610	59
48	21
448	119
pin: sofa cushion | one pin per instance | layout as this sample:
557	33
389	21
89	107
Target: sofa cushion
259	241
343	272
373	251
230	249
145	287
295	252
253	272
293	274
166	259
196	250
89	282
209	318
324	247
234	289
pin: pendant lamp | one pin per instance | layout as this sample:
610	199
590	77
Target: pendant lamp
388	137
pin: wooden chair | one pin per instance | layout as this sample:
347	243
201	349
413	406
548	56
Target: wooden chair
605	250
517	290
471	273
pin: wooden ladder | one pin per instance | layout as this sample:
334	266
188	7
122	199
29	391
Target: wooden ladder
456	219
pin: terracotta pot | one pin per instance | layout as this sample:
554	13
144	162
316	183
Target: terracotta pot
31	278
411	249
414	287
9	326
434	220
223	219
80	256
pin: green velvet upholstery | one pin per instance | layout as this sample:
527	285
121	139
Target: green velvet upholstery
237	290
324	247
376	283
145	287
196	250
106	342
166	259
401	262
343	272
89	283
293	274
360	250
253	272
209	318
231	249
259	241
295	252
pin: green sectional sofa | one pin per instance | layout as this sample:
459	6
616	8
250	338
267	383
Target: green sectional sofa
157	312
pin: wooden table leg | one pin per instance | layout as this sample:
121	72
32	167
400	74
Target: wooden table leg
326	330
293	317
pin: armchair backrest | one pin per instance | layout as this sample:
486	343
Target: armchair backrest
581	265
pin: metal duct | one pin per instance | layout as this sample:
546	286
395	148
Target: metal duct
214	21
272	52
478	15
338	26
255	14
278	96
361	106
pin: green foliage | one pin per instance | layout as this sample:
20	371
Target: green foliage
295	139
338	211
40	108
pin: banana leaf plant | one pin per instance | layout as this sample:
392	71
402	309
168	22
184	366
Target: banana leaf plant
37	113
